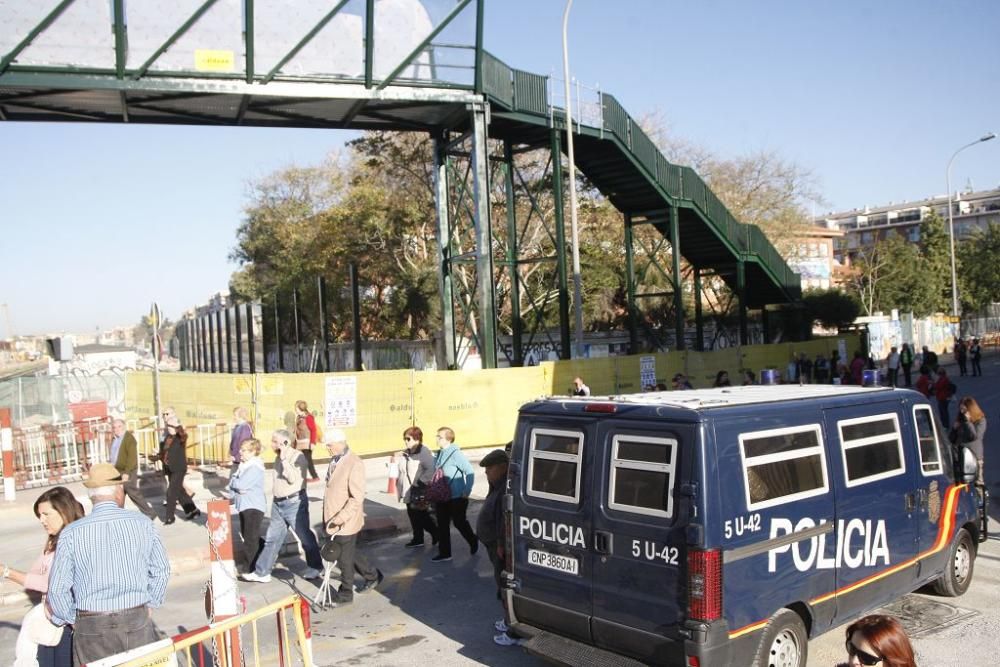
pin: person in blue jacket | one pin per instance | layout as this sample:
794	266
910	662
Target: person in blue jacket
456	468
246	486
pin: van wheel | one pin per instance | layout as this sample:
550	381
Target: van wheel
784	643
957	576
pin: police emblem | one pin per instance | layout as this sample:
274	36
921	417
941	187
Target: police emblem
933	502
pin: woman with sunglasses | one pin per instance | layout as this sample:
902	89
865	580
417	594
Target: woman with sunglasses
878	641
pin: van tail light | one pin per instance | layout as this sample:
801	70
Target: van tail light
605	408
705	584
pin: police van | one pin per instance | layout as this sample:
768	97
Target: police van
727	526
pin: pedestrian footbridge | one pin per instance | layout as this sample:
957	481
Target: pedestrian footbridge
400	65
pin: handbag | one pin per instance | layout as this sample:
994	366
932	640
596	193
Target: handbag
439	490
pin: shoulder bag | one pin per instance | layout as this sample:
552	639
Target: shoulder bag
439	490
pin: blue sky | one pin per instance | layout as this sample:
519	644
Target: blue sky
98	221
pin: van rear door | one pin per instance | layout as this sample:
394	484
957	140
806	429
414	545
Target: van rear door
877	507
639	520
552	489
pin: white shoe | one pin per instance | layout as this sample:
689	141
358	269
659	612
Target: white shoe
311	573
253	576
500	626
503	639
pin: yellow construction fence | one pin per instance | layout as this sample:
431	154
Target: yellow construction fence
374	407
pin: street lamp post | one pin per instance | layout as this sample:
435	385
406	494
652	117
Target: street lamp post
951	224
574	230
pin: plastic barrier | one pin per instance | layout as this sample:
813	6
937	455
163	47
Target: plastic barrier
197	647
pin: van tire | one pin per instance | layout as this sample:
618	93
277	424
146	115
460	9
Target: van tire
957	575
784	643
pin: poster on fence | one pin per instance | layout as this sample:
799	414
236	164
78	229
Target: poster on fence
341	401
647	371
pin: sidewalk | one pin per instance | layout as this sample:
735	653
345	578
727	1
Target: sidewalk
187	541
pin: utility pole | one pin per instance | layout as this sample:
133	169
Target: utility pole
154	315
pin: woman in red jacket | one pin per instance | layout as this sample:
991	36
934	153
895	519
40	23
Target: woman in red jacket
305	435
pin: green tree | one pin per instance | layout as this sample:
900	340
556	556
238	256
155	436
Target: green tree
979	268
936	266
832	308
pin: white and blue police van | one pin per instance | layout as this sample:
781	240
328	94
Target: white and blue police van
727	526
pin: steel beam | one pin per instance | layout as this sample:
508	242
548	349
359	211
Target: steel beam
675	249
484	238
251	343
699	324
633	330
517	326
444	249
323	321
741	289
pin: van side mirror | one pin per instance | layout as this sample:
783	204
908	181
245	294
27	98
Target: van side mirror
969	466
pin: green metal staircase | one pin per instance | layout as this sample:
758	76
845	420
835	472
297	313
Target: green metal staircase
622	161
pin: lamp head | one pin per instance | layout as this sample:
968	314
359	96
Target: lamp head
988	136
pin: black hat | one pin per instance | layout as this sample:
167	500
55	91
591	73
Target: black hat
495	458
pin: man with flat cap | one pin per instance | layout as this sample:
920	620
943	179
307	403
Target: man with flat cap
109	571
490	530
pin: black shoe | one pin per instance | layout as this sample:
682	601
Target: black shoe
374	583
440	559
193	514
342	598
474	547
414	543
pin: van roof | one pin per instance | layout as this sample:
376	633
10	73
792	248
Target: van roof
706	399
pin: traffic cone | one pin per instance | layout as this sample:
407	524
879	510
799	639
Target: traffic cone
393	474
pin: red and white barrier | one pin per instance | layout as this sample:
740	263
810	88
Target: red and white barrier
7	445
225	601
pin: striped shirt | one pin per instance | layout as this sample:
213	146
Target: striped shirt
112	559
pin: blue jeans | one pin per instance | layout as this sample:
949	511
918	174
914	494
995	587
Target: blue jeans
290	513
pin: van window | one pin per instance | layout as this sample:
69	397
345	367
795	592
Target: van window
642	475
783	465
930	455
872	448
554	464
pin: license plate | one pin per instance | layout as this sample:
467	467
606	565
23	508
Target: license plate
553	561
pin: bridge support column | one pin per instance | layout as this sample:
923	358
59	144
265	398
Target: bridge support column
741	288
516	325
765	324
699	324
633	333
484	239
444	249
557	197
675	250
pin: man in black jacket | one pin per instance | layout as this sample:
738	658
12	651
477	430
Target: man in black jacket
490	530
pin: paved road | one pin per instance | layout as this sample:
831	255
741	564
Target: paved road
443	613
